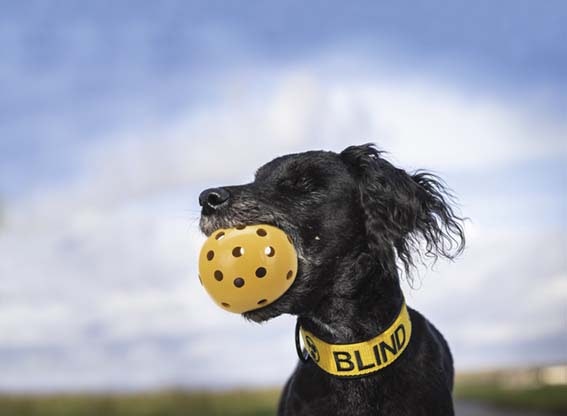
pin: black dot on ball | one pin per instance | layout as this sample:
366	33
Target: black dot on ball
239	282
219	235
218	275
270	251
210	255
237	251
261	272
289	275
262	301
261	232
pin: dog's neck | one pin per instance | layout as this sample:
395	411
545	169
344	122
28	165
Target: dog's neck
358	313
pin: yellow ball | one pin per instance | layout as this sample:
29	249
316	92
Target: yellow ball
247	268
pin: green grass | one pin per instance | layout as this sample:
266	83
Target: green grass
240	403
548	398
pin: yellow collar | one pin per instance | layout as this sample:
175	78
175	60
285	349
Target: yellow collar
361	358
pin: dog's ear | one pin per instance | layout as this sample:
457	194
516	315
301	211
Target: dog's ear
405	215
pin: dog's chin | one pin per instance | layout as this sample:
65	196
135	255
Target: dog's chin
283	305
261	315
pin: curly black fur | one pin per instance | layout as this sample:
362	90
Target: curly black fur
403	211
352	217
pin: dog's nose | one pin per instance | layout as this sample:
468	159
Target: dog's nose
213	198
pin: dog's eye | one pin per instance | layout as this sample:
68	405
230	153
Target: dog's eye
300	183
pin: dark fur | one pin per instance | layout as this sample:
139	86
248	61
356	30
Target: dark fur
354	218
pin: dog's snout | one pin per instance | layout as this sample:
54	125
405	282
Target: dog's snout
213	198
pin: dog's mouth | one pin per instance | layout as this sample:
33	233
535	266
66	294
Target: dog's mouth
209	224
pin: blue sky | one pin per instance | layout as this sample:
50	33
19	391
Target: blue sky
114	115
91	66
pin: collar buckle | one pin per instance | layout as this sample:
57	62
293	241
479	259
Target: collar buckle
301	352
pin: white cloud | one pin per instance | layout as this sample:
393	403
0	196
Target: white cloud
505	293
421	122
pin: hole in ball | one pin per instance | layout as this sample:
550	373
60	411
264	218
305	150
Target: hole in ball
219	235
200	280
240	227
226	305
289	239
218	275
261	272
261	232
237	251
210	255
239	282
269	251
262	301
289	275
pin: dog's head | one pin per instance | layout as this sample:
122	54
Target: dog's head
343	212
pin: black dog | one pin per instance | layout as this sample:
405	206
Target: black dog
353	218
